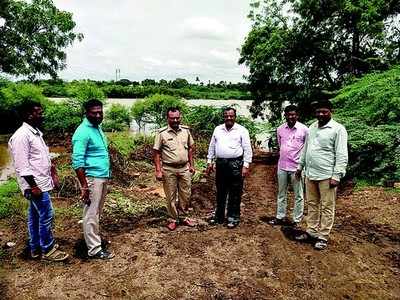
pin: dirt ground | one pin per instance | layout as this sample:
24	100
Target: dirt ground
253	261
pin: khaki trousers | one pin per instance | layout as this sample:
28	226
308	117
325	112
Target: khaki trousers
321	208
92	212
177	183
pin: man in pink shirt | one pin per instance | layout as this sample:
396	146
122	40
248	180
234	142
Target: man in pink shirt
36	178
291	138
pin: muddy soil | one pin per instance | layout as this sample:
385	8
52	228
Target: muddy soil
253	261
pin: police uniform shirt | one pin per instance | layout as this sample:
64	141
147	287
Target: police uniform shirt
174	145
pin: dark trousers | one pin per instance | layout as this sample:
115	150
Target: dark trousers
229	182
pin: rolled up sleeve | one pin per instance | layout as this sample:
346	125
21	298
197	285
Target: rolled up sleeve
19	148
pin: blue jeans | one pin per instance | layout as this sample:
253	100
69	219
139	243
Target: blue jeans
40	222
283	179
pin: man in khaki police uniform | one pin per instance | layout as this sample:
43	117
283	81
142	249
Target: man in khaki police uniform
173	160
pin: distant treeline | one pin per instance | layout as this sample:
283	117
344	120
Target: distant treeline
125	88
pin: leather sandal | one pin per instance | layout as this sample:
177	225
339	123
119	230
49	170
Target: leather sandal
55	255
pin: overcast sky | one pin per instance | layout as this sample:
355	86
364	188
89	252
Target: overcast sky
159	39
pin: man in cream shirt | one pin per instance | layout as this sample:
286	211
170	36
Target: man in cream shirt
324	159
230	149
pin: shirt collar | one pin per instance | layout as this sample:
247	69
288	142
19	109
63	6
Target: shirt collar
33	130
87	122
295	125
329	124
233	127
171	129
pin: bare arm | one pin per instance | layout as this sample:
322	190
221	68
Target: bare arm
157	164
80	173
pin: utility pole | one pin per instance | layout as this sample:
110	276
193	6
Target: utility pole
117	74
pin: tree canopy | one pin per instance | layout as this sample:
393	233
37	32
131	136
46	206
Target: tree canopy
33	37
302	50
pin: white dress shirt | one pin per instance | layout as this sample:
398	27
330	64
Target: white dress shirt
231	143
31	157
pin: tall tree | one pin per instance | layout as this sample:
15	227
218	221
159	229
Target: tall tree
33	37
301	50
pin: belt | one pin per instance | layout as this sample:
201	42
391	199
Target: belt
229	159
174	165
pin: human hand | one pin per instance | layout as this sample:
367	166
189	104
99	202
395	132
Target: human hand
56	182
36	192
210	169
333	183
159	175
298	174
85	195
192	170
245	171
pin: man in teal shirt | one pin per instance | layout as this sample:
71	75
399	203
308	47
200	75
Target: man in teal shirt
91	162
324	160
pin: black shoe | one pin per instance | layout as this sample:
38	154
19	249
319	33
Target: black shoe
232	225
214	221
276	221
102	254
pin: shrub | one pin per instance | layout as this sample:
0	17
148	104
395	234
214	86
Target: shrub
117	118
12	95
153	109
61	117
370	110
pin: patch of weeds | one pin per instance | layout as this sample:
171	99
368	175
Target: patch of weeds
362	184
392	191
73	211
119	204
200	165
11	200
123	142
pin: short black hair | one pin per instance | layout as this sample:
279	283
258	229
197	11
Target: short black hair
323	104
172	109
291	107
92	103
228	109
27	107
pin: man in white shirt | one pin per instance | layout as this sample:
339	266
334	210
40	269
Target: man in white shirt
230	148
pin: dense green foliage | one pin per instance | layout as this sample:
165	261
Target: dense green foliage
132	89
11	201
153	109
60	117
370	110
117	118
302	50
11	96
34	36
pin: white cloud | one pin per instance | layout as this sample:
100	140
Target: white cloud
204	28
157	39
152	61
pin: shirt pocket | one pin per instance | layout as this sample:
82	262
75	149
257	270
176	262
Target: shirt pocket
325	141
170	144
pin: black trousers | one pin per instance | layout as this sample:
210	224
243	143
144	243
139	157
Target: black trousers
229	182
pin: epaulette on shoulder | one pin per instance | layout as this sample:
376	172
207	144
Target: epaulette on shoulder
162	129
185	127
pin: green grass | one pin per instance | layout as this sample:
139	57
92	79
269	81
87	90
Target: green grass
11	200
125	142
